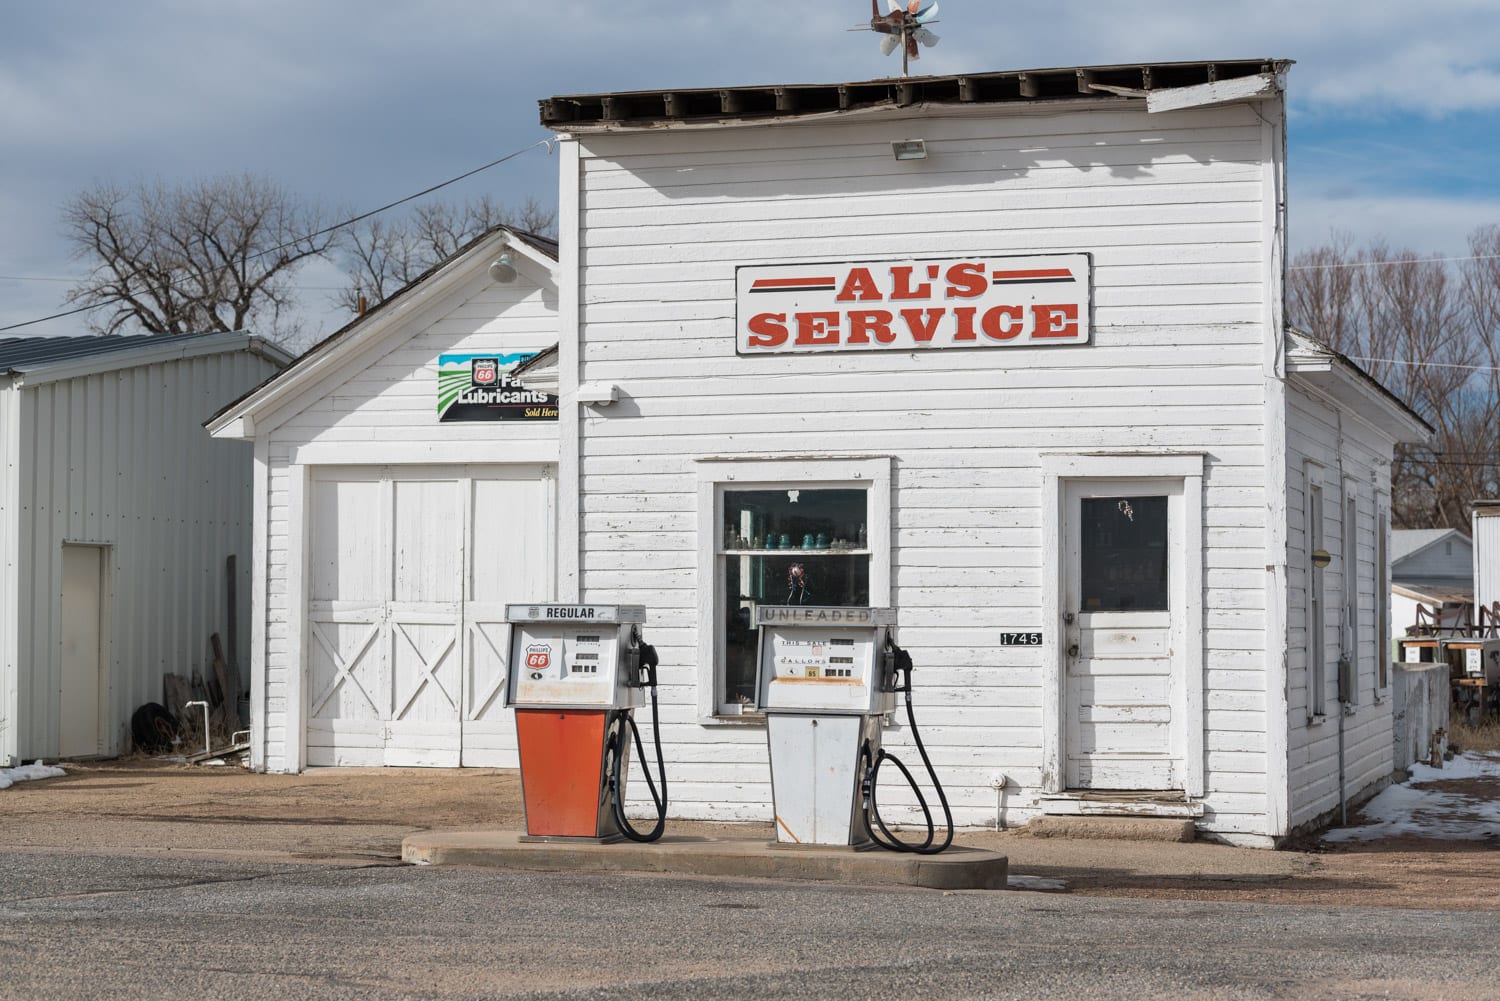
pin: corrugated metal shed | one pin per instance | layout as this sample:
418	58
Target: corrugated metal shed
102	453
1486	537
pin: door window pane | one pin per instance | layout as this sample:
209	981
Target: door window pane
1124	554
786	547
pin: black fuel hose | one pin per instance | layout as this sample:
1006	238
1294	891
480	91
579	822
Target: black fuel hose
616	785
872	760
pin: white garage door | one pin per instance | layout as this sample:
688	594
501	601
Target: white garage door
409	573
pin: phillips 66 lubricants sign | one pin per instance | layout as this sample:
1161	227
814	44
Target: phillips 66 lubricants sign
951	302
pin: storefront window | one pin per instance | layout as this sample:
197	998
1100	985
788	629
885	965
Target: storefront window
782	532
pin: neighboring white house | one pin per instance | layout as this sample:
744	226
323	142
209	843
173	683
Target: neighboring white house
1434	568
1007	353
404	491
117	516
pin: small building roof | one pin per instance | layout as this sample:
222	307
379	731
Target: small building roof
770	102
1407	542
1435	591
539	252
70	356
1310	359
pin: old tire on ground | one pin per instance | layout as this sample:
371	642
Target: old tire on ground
153	728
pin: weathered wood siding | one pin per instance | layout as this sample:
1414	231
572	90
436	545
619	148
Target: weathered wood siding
381	408
1174	209
1353	456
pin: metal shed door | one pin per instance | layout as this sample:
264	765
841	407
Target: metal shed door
82	660
1124	697
400	653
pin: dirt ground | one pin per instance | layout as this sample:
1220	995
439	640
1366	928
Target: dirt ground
147	806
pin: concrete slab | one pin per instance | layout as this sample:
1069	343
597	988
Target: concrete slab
958	868
1113	828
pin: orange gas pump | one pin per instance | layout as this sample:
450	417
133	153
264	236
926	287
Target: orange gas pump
577	675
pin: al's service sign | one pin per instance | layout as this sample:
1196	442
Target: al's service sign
957	302
479	388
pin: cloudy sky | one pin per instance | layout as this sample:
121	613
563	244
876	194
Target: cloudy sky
1394	132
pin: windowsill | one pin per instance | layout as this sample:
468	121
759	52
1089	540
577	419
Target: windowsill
798	550
1317	719
889	721
733	719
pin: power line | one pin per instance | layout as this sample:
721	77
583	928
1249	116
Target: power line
1404	260
1427	364
310	236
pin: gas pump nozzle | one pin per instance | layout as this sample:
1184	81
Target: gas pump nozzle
641	670
895	667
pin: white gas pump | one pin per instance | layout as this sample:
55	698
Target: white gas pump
826	677
576	676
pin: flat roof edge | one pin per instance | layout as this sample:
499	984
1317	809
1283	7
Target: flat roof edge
778	102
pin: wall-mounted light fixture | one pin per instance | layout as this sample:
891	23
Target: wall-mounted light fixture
504	268
910	149
1321	558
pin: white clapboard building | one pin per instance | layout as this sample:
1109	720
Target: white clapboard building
123	528
1007	353
404	491
1003	352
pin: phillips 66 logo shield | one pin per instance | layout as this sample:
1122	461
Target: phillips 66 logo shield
485	371
538	656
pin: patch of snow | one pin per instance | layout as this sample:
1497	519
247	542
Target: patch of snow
1471	765
1033	883
24	773
1414	809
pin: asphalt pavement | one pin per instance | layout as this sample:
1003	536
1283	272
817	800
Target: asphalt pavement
74	926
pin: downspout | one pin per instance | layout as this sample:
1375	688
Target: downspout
1350	566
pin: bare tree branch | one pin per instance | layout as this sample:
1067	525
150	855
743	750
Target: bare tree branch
215	255
1420	328
381	257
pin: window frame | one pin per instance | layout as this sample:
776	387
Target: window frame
1316	593
1350	585
715	476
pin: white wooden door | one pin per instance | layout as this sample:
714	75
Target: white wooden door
424	618
409	570
1124	705
511	554
82	662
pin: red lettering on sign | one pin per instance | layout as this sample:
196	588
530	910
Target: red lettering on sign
538	660
818	328
965	317
903	289
1003	322
864	322
1055	321
967	281
768	330
922	329
859	286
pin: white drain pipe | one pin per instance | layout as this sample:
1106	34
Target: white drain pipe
207	749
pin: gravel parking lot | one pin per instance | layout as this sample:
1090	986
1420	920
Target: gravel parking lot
149	807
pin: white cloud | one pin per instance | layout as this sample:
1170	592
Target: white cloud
1427	225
